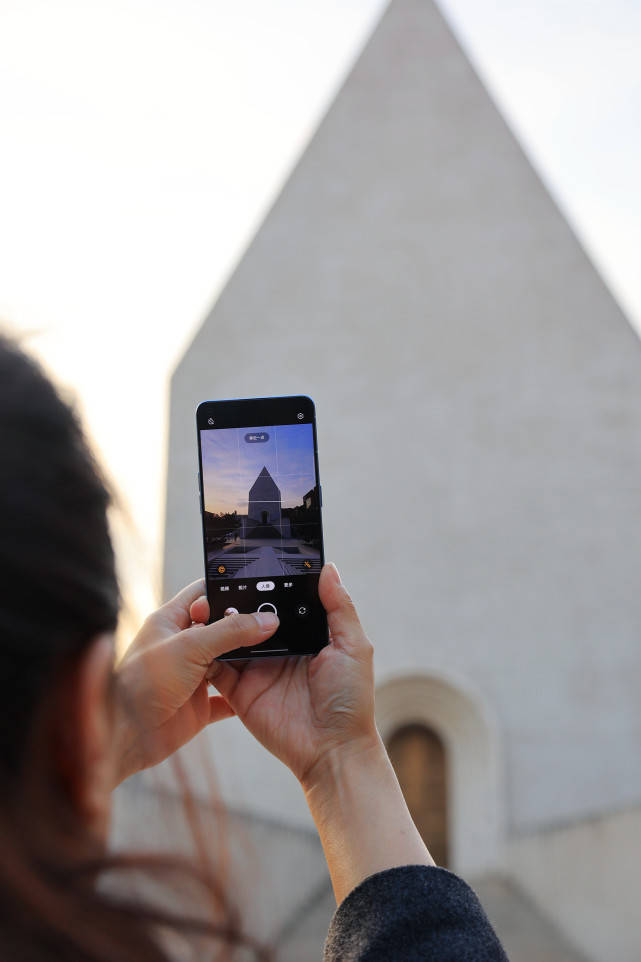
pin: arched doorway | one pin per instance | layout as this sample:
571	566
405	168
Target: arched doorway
475	825
418	756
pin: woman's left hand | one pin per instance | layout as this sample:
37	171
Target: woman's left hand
162	697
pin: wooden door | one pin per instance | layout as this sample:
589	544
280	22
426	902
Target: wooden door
418	756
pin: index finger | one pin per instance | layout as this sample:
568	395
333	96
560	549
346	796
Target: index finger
199	610
176	610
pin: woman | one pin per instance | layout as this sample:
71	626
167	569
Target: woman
74	727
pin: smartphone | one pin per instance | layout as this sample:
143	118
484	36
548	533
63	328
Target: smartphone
260	501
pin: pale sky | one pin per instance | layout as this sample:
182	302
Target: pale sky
142	142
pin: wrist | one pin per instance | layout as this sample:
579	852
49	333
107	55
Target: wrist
332	767
361	816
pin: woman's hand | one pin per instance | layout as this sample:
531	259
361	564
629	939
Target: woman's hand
162	698
306	709
315	714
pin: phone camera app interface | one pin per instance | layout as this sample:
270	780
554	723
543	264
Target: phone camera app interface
261	520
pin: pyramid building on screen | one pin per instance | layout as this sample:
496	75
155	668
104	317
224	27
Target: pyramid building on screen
264	499
478	393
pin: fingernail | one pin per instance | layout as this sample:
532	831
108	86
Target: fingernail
266	619
332	567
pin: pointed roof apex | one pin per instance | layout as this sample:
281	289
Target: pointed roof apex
264	483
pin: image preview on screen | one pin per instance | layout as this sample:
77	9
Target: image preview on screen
261	503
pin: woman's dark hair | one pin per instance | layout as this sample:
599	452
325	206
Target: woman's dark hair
58	586
58	592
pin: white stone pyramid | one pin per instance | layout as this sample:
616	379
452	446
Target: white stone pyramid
478	395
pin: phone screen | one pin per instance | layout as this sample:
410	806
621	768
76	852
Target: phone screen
261	511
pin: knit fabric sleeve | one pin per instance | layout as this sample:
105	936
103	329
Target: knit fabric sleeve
414	913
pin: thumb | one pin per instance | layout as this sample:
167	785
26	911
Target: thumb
344	624
202	644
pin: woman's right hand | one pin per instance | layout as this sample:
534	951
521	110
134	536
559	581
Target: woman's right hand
302	709
317	716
